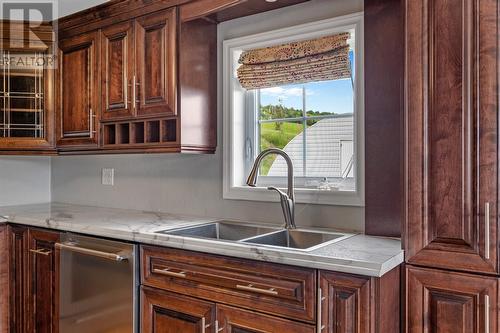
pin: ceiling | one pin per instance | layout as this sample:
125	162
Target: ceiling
67	7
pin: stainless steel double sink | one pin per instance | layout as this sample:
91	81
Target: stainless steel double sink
230	231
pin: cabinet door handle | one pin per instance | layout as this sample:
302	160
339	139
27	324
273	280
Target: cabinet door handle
127	85
486	314
319	324
43	252
91	123
487	230
168	272
217	329
135	86
250	287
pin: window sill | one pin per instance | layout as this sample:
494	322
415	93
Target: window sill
306	196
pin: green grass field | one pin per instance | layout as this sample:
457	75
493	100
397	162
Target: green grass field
273	138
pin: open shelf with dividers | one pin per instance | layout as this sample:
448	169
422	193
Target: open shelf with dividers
151	132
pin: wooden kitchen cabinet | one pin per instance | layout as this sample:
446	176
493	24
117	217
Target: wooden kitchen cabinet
345	303
253	296
156	63
18	272
26	89
139	67
358	304
117	59
4	278
165	312
279	290
451	130
43	276
442	301
78	92
234	320
33	280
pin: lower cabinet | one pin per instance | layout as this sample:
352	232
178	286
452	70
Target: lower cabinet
33	280
345	303
448	302
4	278
182	289
357	304
18	287
43	280
165	312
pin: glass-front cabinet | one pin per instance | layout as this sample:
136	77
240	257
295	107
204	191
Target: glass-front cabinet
26	95
21	93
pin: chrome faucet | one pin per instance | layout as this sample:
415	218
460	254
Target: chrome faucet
287	199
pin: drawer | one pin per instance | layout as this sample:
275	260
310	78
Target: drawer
271	288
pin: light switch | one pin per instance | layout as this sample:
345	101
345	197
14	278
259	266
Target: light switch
108	176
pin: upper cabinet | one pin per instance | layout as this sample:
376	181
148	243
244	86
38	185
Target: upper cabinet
451	157
128	95
78	88
118	59
139	67
156	70
26	88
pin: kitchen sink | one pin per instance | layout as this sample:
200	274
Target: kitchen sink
304	240
298	239
223	230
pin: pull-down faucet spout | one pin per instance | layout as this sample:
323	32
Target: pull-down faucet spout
287	199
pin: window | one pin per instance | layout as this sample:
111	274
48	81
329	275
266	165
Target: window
319	124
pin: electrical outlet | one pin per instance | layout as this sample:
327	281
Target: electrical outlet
108	176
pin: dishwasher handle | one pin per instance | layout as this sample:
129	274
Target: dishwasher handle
90	252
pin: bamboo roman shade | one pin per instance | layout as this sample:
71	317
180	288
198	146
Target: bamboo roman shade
321	59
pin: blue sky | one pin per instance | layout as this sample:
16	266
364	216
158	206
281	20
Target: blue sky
327	96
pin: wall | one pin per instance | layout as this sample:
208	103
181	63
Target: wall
192	184
24	180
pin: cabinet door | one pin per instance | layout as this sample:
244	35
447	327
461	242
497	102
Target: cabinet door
117	59
344	303
165	312
452	134
156	63
18	242
4	278
445	302
27	98
43	281
234	320
78	90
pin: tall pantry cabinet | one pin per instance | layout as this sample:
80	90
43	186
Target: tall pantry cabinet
451	166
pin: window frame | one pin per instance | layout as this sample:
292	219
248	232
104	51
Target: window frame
239	125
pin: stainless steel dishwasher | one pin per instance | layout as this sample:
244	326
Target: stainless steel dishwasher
98	285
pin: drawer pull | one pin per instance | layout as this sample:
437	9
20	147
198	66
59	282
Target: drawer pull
486	314
250	287
43	252
168	272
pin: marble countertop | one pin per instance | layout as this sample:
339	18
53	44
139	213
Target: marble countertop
359	254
